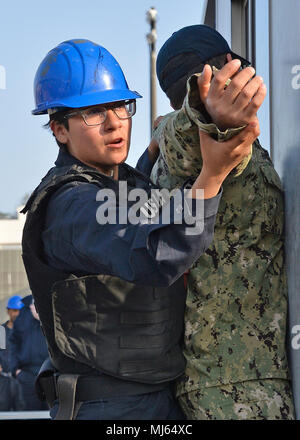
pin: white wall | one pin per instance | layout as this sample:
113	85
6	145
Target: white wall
285	135
11	230
223	19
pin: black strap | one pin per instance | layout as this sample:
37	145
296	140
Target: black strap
46	389
66	391
90	388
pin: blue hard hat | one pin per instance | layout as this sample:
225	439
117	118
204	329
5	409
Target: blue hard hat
79	73
15	302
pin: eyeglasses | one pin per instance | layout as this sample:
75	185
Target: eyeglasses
97	115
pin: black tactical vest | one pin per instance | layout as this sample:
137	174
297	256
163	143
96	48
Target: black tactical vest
101	323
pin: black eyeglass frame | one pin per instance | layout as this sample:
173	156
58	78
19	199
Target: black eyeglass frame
112	107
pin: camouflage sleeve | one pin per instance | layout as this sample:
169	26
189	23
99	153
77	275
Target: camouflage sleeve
178	137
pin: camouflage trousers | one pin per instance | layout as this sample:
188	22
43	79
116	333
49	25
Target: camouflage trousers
268	399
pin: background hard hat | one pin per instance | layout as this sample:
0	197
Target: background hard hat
79	73
15	302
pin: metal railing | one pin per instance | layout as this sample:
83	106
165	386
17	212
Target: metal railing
22	415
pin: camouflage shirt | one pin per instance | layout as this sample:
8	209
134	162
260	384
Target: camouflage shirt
236	310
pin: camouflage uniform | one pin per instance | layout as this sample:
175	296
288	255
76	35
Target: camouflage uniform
235	319
268	399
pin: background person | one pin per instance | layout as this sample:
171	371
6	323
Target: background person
28	352
10	393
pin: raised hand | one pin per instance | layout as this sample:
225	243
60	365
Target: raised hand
232	97
220	158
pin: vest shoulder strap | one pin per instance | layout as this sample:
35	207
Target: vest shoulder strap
57	177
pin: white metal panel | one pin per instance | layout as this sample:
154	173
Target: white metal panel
223	19
203	11
285	135
262	66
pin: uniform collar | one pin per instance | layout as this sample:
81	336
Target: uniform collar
64	158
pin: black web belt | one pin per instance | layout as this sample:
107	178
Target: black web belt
72	390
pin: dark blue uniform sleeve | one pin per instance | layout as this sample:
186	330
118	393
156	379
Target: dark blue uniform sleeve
149	254
144	164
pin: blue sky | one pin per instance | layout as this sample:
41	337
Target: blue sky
29	30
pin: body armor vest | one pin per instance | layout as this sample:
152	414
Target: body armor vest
99	323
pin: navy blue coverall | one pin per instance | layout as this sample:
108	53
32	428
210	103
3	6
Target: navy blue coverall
155	254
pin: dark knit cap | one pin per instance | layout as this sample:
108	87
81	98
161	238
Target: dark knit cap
201	40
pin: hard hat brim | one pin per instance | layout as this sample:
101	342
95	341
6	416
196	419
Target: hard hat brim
102	97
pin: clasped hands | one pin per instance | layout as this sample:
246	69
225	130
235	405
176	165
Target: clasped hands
231	106
237	104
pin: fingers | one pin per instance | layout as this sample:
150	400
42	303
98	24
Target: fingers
248	92
153	143
229	57
153	150
204	82
256	102
247	136
239	83
157	121
221	77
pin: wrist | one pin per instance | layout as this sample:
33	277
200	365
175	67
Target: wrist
209	183
221	126
210	176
